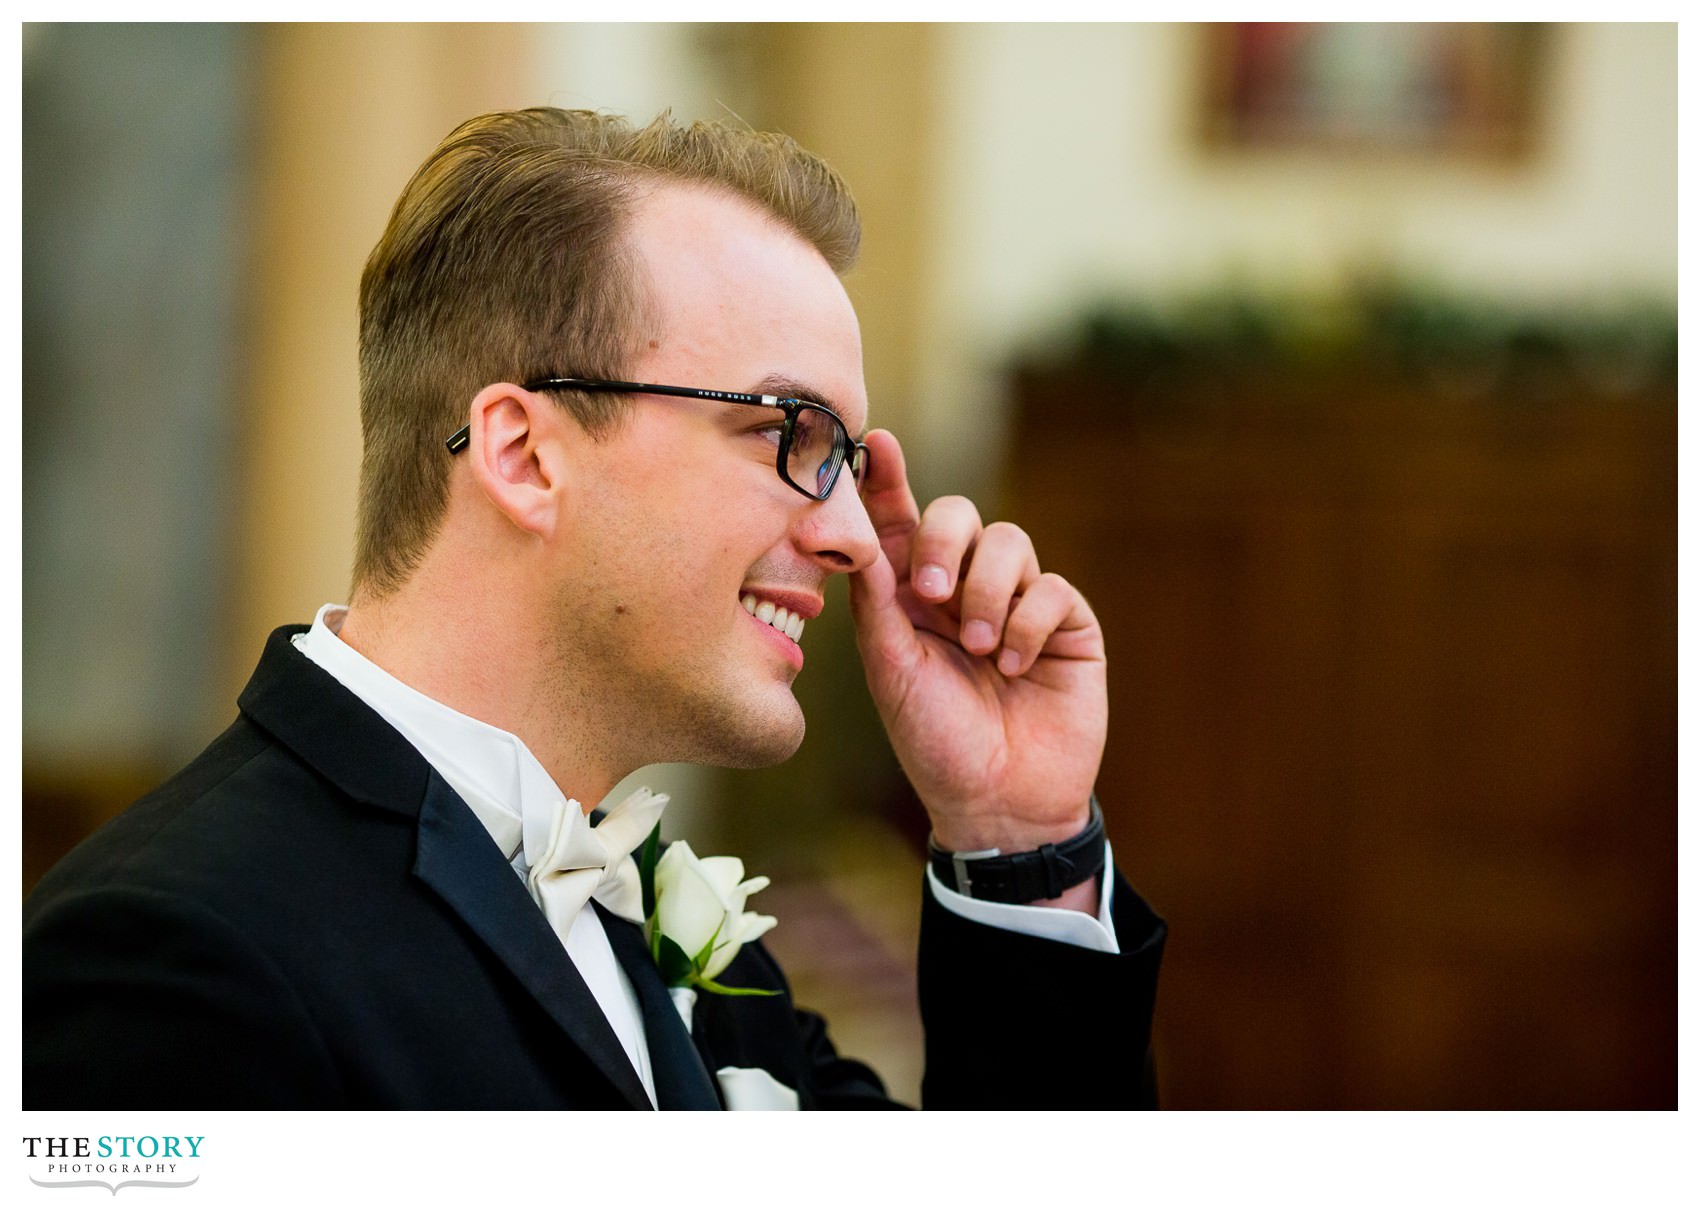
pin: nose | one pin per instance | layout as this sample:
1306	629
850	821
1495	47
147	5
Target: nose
837	533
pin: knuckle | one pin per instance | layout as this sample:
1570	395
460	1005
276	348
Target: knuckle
982	599
1050	583
930	547
1023	631
955	509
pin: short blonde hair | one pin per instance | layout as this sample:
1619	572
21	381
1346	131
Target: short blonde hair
505	259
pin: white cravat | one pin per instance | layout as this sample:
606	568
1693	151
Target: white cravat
516	801
572	861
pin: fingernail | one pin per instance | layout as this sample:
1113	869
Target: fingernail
978	634
932	581
1009	660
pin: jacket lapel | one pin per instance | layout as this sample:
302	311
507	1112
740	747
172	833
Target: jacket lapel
682	1082
351	745
457	860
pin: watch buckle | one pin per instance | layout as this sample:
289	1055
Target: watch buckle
959	860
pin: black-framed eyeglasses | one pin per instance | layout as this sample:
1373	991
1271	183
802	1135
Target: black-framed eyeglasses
814	446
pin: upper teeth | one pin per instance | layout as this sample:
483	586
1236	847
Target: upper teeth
774	616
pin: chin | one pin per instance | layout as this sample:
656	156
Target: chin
766	744
749	738
769	751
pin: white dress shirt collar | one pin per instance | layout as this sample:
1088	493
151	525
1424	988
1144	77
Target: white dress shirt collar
500	779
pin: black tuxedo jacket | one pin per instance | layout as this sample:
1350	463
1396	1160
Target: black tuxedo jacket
308	916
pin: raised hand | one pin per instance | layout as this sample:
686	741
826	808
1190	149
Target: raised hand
988	672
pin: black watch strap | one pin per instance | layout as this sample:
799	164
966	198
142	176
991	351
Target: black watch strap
1032	875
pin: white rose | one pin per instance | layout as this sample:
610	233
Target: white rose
702	899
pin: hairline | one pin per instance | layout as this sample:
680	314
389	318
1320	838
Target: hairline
649	183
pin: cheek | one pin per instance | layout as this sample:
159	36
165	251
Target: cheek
662	571
680	532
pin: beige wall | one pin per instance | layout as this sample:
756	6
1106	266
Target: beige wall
1065	169
1071	148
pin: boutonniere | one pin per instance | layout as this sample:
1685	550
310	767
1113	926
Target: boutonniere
693	914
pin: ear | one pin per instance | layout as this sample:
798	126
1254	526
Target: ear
517	455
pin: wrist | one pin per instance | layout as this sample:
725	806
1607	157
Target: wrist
1050	873
1007	835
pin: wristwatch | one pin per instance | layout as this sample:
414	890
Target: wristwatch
1031	875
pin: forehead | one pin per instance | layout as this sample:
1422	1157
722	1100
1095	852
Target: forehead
739	300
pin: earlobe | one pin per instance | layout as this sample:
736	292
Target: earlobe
516	455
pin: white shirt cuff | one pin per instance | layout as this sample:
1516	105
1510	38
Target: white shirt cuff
1057	925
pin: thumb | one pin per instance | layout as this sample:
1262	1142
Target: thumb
883	630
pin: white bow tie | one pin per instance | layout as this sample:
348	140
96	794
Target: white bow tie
580	861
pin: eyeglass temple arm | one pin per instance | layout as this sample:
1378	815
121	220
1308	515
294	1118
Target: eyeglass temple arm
458	440
651	389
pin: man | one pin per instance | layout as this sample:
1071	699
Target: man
609	380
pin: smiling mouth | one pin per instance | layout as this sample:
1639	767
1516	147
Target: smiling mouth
776	617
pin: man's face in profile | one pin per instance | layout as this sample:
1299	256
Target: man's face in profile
683	515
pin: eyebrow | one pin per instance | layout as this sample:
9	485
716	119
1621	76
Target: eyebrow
791	389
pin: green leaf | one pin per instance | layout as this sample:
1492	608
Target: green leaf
648	855
729	991
701	960
675	965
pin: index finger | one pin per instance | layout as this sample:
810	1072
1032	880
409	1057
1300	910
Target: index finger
887	497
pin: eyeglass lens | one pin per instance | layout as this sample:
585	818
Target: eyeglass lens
817	450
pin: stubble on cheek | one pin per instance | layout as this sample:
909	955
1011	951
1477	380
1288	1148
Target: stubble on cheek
636	693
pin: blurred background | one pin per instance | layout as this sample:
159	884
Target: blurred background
1336	364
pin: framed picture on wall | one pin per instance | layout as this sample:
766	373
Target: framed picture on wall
1354	87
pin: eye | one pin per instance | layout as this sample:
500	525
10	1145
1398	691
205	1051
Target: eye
770	432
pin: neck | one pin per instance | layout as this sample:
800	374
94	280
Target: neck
484	656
